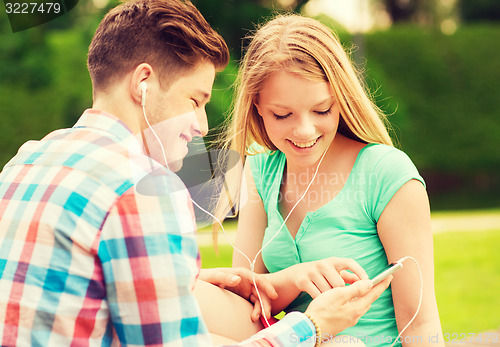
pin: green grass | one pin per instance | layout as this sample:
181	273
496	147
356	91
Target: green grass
467	278
209	259
466	213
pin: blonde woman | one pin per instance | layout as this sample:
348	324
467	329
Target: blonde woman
301	108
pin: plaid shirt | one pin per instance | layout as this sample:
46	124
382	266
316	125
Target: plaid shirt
98	247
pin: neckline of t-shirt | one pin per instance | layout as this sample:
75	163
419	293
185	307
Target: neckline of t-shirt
335	198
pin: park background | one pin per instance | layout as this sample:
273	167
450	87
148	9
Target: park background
431	65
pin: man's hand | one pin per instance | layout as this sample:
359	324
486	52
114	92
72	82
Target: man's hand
241	281
341	307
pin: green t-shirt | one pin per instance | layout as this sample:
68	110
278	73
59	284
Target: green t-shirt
344	227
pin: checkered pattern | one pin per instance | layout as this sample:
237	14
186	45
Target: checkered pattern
87	260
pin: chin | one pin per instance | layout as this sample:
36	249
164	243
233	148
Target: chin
176	165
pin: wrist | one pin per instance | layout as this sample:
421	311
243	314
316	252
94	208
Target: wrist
316	328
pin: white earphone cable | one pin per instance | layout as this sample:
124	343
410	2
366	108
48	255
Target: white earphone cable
155	135
252	262
419	300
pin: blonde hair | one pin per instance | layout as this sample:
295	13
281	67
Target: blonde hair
304	46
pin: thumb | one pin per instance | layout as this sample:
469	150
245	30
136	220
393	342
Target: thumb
359	288
219	278
229	280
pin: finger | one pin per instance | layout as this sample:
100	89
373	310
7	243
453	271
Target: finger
364	302
358	289
228	281
267	308
311	289
266	302
334	279
266	286
352	265
219	277
380	287
375	291
253	298
319	280
349	277
256	311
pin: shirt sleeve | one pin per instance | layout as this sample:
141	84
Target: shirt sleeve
390	173
150	259
295	329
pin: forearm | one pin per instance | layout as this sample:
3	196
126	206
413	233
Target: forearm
286	289
423	334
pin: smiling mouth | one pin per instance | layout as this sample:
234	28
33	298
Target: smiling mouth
185	138
308	144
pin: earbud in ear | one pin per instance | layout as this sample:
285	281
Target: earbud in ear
144	87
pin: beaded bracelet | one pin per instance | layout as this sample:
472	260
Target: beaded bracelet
318	330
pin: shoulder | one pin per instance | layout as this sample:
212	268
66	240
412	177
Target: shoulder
380	158
387	170
378	153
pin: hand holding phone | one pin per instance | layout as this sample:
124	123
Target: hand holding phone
389	270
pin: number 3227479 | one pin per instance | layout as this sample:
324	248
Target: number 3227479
32	7
471	337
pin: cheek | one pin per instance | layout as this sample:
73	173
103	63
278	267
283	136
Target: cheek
332	123
273	128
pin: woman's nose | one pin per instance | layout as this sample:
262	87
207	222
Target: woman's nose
305	128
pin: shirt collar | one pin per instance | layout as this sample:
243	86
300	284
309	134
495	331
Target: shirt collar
97	119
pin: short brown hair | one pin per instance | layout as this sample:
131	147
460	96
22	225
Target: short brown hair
170	35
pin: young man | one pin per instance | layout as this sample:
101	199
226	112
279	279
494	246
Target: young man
97	242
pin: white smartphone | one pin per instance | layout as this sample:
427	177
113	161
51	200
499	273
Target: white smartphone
389	270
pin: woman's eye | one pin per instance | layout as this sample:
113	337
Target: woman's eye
196	103
324	112
279	116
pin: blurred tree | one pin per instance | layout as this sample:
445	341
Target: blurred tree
401	11
233	19
479	10
288	5
19	64
416	11
44	82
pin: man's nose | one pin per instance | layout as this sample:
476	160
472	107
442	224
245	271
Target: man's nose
200	127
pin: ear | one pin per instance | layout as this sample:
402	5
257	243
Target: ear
142	73
257	105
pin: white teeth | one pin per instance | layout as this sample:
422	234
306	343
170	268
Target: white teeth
305	144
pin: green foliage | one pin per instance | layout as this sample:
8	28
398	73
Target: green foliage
45	85
442	92
479	10
233	19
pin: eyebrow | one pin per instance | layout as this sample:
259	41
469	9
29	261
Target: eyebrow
316	105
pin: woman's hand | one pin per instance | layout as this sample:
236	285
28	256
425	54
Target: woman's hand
241	282
316	277
341	307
